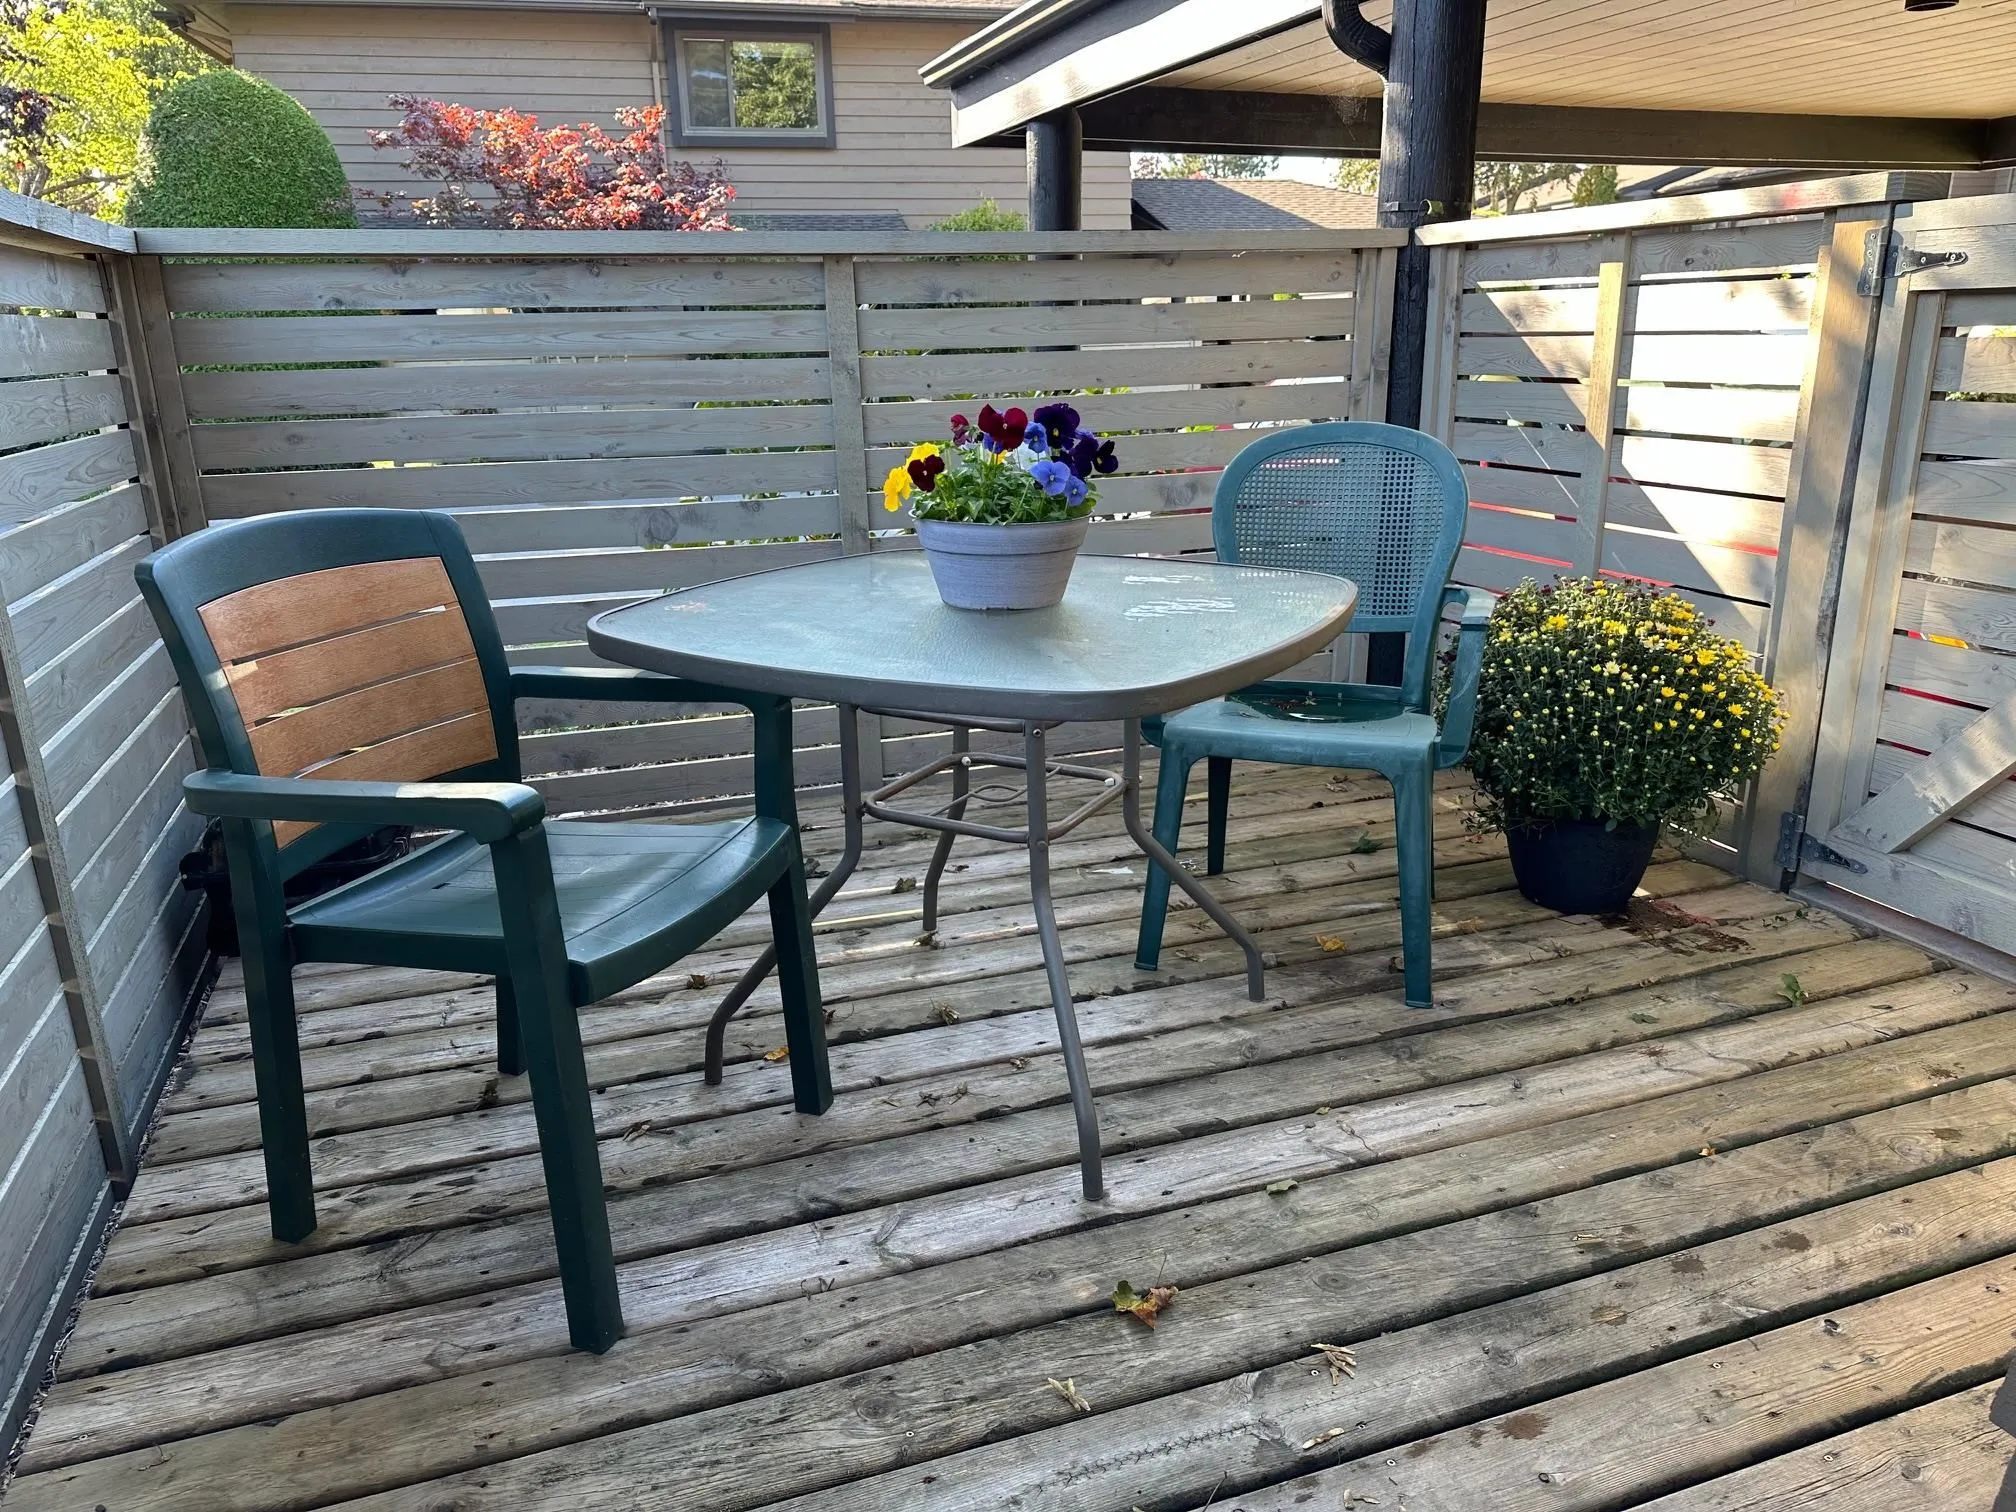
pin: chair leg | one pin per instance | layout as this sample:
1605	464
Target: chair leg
798	982
550	1034
1413	812
276	1072
510	1053
1217	805
1174	778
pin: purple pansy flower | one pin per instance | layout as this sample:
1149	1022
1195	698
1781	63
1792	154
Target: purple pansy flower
1051	477
1075	491
1057	419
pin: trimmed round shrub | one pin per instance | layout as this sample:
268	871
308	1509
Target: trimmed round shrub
226	149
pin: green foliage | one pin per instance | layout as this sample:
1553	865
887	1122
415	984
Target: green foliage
99	65
1232	165
985	216
1597	185
776	87
1504	188
1602	700
226	149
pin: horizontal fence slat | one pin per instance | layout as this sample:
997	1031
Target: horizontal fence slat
430	284
534	385
73	755
588	527
442	338
1971	428
233	496
37	345
971	281
641	571
41	410
64	686
1978	554
35	554
47	477
1710	305
52	618
500	438
49	281
930	420
1005	373
1012	326
1967	491
1979	616
1982	364
1745	414
1763	359
1691	251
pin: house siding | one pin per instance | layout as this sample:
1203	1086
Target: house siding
894	149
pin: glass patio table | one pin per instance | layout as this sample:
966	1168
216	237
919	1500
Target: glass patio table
1134	637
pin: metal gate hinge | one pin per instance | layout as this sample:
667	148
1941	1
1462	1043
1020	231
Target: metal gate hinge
1884	257
1795	846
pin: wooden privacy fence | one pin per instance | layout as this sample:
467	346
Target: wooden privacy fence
98	940
1671	392
612	426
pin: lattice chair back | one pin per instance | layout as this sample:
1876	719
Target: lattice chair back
1379	504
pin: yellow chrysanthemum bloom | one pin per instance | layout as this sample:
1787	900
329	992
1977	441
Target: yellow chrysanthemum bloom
1614	627
1734	708
1706	658
896	488
1667	692
1555	622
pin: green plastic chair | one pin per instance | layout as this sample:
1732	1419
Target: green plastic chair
1385	507
344	673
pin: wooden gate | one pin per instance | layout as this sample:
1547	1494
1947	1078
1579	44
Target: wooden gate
1911	802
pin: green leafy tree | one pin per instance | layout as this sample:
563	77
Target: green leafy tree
77	79
774	85
1504	188
226	149
1209	165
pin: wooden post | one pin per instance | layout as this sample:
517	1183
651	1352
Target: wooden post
143	341
1599	413
850	440
1056	159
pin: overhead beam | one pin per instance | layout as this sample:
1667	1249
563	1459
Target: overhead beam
1160	119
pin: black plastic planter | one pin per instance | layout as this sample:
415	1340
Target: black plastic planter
1581	866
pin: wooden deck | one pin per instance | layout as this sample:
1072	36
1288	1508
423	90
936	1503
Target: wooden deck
1711	1208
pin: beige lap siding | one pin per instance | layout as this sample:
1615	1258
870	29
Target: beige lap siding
894	150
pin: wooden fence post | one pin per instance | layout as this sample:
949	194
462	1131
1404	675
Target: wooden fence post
1599	410
1826	440
143	339
850	441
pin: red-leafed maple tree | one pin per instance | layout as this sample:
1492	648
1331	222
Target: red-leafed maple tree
556	178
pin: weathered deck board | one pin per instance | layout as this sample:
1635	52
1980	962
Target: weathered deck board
1622	1167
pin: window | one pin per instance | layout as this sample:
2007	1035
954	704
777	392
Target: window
770	87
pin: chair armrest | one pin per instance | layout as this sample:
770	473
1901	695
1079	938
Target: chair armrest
1461	714
486	811
630	685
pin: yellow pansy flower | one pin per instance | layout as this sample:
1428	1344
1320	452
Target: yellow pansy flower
922	450
896	488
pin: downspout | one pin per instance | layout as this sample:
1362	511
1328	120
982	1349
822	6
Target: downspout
1355	37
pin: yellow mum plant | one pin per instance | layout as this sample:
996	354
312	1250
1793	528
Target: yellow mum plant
1604	700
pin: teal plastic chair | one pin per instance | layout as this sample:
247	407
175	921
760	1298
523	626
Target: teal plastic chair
344	673
1385	507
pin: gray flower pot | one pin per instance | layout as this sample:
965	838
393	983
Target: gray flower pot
1002	566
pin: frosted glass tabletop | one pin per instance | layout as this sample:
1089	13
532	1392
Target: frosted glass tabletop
1134	636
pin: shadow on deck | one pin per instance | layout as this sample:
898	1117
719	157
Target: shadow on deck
1709	1208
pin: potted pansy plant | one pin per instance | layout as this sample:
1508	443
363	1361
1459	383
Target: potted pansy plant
1605	711
1002	509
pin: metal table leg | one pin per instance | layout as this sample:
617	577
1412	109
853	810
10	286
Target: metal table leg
850	857
1091	1173
1256	969
962	739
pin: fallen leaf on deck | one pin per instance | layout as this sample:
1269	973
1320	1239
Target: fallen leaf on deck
1644	1018
774	1056
945	1013
932	1099
1068	1389
1324	1109
1707	1150
1144	1305
697	980
905	884
1790	990
1331	944
1365	845
487	1097
1284	1185
1018	1062
636	1131
1323	1438
1342	1361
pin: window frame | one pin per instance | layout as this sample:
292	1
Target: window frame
684	134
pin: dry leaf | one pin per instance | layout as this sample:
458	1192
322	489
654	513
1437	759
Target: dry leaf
932	1099
1323	1438
1324	1109
1342	1362
1707	1150
774	1056
1284	1185
945	1013
697	980
1018	1062
905	884
1144	1305
1365	845
636	1131
1331	944
1068	1389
